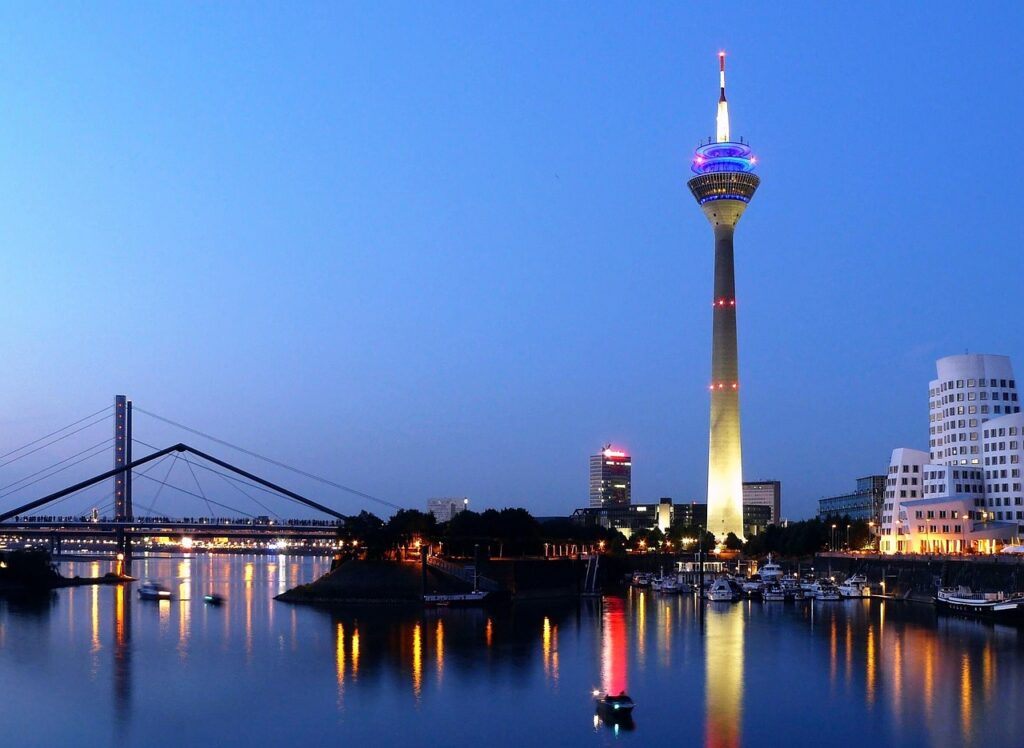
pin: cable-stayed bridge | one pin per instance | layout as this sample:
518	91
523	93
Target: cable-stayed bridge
117	507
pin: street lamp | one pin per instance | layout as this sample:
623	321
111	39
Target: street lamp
832	538
871	534
847	537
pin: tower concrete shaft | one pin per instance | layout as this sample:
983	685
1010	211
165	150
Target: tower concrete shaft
725	466
723	186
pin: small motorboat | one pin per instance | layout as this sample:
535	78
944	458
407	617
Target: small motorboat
153	591
213	598
614	707
773	593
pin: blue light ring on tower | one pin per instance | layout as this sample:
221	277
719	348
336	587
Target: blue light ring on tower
727	156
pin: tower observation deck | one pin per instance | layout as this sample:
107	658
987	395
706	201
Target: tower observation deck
723	185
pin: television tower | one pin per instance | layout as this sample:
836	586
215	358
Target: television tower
723	185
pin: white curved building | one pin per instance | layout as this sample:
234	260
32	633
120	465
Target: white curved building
964	494
969	390
1003	452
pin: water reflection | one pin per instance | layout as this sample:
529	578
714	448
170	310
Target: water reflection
393	675
614	642
417	659
122	653
723	675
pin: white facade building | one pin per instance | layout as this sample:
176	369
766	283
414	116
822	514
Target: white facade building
444	509
964	494
969	390
1003	452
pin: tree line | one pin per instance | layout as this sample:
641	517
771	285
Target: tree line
515	532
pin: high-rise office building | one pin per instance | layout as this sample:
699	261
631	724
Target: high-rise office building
764	493
610	473
723	186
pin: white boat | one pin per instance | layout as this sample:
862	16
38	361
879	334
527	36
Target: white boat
855	586
669	585
476	597
771	571
752	584
773	593
997	606
825	590
153	591
724	590
641	580
791	586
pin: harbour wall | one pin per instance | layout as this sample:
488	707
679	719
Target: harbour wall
920	577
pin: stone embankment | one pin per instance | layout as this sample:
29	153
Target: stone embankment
918	577
402	582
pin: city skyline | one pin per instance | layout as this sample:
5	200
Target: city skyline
397	269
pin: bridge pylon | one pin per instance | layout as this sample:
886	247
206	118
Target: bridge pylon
123	510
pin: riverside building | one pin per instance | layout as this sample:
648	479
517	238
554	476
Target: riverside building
444	509
762	493
632	518
610	477
964	494
863	503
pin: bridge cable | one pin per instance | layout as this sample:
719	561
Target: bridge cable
48	475
201	491
233	479
166	476
185	491
61	462
106	499
249	495
50	444
272	461
228	479
54	433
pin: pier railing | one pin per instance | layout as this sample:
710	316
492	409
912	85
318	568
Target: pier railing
463	572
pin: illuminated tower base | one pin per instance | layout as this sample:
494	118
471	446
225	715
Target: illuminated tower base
724	185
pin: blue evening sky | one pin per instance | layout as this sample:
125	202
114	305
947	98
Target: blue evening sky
448	248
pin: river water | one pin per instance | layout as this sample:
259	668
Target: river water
95	666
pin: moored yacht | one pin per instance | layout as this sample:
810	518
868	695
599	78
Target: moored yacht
855	586
669	585
773	593
725	590
771	571
826	590
996	606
